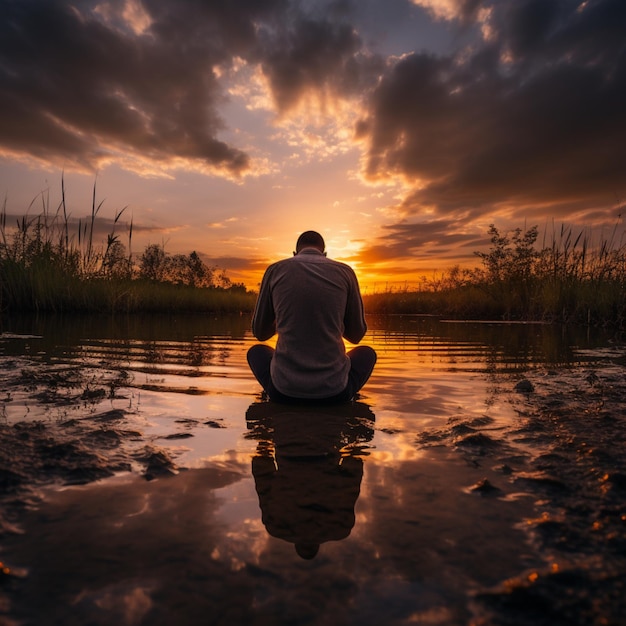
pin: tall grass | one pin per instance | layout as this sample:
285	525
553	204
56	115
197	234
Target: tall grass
568	279
46	264
49	264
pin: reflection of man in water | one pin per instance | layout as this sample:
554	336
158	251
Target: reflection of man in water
308	502
312	303
307	472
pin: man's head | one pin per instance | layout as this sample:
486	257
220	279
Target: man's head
310	239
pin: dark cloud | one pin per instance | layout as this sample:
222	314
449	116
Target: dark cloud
531	118
55	223
316	55
85	82
77	88
436	239
467	10
534	116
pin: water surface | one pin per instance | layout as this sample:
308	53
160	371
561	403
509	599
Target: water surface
202	503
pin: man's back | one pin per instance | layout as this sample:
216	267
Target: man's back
311	302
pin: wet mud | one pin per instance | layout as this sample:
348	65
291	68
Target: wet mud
568	451
564	459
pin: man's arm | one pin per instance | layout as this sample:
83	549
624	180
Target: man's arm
264	319
354	318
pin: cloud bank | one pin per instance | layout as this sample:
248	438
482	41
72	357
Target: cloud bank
89	83
527	122
533	115
523	117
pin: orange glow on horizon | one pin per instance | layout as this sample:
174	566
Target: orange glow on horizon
375	278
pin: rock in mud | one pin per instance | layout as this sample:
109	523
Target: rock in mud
524	386
478	442
109	416
485	488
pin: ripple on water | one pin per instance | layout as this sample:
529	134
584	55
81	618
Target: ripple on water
475	500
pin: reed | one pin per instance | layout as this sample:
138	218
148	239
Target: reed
150	297
47	265
569	279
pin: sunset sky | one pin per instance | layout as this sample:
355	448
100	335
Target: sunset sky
400	129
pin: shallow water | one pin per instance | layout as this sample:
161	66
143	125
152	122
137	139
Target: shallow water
146	482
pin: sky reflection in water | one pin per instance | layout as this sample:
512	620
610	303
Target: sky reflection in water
281	514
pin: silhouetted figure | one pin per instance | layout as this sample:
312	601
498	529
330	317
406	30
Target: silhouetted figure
307	472
312	303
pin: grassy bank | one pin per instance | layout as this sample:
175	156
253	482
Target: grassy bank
30	290
568	280
50	263
597	304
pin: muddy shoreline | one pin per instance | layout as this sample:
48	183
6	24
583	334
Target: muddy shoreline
569	453
566	451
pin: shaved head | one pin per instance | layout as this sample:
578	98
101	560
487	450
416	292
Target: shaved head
310	239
